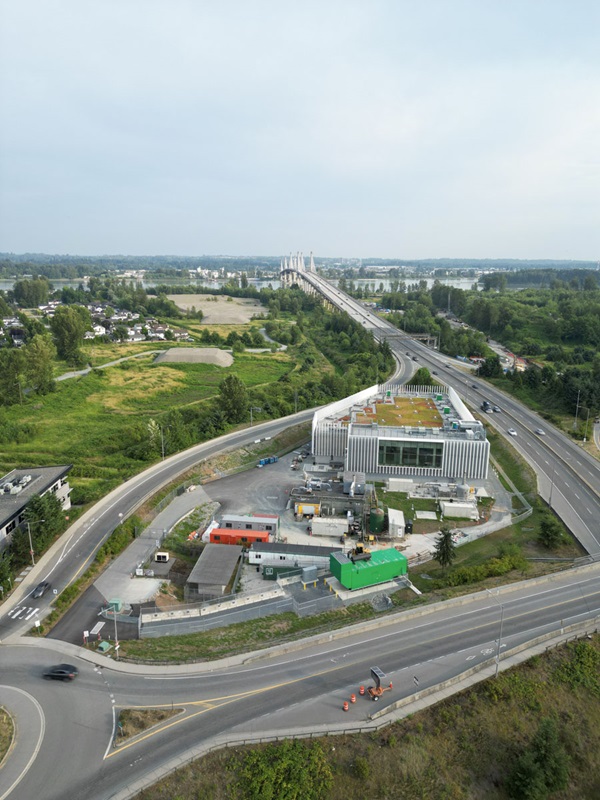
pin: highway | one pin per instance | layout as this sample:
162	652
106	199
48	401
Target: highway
64	747
69	726
568	477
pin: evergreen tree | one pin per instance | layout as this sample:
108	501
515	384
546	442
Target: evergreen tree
445	550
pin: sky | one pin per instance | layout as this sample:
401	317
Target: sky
387	128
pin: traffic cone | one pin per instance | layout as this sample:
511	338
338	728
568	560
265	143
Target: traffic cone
345	706
361	691
391	687
353	698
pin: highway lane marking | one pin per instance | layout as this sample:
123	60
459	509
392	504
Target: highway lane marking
227	699
38	744
208	705
404	631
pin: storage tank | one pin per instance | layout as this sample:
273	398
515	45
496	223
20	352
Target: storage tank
462	491
376	520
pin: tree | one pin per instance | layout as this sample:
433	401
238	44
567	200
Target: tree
550	534
233	398
542	768
38	356
422	377
68	328
445	550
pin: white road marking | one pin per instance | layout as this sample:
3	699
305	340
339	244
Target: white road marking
38	744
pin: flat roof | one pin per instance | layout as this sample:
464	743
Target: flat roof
215	565
268	518
42	478
377	557
292	549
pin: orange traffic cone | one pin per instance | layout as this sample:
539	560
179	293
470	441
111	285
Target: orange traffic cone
353	698
391	687
345	706
361	691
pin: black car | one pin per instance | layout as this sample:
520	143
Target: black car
62	672
433	372
40	589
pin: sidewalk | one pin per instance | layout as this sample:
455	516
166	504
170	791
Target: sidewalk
119	580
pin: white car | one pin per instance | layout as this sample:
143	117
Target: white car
540	432
512	432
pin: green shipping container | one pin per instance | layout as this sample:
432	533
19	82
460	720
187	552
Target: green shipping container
384	565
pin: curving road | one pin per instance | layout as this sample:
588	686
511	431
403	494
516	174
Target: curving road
277	693
568	477
64	746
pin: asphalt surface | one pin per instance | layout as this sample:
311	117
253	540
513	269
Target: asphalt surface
73	732
568	477
64	746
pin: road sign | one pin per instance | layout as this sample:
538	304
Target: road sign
86	634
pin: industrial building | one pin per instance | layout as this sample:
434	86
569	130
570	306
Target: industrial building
213	572
290	555
18	487
368	569
396	430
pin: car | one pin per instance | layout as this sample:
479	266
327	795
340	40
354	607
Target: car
414	358
540	432
40	590
433	372
62	672
473	386
496	409
512	432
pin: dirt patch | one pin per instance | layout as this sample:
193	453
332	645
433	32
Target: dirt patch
196	355
219	310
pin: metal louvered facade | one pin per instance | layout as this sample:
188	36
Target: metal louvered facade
458	449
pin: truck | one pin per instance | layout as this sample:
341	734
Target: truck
267	460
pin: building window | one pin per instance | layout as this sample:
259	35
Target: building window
282	558
257	555
410	454
228	524
217	538
269	527
248	526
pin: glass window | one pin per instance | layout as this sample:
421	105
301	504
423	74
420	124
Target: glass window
410	454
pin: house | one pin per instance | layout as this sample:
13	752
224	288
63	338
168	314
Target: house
17	488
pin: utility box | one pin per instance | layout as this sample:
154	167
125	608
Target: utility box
162	558
384	565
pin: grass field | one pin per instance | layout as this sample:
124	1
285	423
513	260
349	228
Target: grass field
463	748
87	420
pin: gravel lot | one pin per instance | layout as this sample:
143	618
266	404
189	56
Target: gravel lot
219	310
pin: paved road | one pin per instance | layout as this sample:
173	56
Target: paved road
74	551
282	691
568	477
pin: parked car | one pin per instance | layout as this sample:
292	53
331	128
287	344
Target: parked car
540	432
62	672
40	590
512	432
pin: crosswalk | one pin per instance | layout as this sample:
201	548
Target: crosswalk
22	612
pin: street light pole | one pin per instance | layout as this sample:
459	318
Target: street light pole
253	408
499	642
30	541
30	544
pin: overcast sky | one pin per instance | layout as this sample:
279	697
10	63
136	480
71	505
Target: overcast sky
389	128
